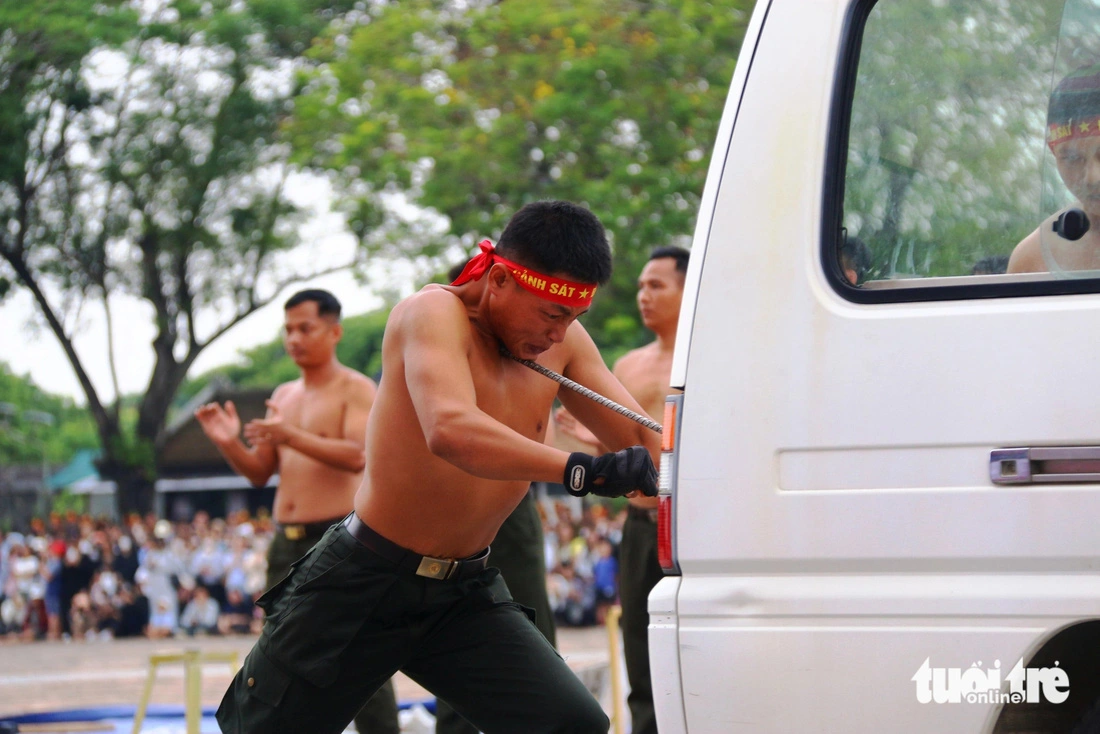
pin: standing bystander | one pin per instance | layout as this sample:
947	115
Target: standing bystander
313	436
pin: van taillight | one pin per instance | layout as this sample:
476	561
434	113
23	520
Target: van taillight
666	488
664	533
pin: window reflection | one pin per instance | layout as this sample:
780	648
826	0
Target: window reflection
947	155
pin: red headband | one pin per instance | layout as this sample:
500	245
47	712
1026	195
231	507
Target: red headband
565	292
1060	133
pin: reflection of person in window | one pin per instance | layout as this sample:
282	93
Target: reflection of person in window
990	265
855	260
1073	133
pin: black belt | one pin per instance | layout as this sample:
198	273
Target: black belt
303	530
451	569
648	514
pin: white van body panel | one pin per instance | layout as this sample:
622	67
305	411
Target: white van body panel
663	635
710	190
835	519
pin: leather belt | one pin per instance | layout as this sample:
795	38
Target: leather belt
443	569
303	530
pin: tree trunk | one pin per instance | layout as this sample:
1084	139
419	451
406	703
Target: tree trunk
135	488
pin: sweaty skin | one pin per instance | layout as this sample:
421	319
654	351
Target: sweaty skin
314	430
457	429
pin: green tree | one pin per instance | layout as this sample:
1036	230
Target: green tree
268	365
471	114
24	440
140	154
946	148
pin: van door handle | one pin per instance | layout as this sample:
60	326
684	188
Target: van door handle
1045	465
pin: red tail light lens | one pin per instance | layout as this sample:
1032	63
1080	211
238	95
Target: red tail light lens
664	533
666	488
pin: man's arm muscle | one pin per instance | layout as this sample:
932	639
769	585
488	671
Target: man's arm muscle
257	462
587	368
432	336
341	453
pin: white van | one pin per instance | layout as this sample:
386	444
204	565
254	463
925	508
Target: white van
880	505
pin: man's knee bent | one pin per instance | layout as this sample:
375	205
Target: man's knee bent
584	717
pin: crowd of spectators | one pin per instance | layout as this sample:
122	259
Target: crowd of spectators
73	577
582	560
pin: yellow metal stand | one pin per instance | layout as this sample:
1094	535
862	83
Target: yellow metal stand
192	660
612	622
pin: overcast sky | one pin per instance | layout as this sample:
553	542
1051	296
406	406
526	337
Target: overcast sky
29	347
35	351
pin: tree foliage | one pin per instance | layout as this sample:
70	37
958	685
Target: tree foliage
268	365
472	113
23	440
945	157
146	150
140	154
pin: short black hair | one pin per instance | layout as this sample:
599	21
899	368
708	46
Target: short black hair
679	254
455	271
558	237
327	305
990	265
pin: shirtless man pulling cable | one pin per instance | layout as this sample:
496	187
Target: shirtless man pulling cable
455	438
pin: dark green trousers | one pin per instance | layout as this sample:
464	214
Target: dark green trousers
379	714
518	553
639	572
345	620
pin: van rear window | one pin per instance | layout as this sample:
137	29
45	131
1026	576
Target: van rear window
969	149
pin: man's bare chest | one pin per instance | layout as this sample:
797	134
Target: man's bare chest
517	396
320	414
648	384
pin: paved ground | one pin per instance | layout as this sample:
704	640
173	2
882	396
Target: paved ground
51	676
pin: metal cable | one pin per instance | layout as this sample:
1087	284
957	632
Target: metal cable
590	394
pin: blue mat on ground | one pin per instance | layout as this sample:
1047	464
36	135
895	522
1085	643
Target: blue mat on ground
124	715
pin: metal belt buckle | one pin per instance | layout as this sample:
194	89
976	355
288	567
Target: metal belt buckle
294	532
436	568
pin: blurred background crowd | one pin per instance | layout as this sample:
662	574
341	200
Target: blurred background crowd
75	577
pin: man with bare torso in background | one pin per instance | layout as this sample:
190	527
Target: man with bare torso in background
645	372
1073	135
313	435
454	441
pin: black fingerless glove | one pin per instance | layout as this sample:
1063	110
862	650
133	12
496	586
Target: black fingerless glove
611	475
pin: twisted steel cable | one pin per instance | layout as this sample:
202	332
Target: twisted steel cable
590	394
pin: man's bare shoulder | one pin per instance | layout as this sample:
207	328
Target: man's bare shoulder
286	390
1027	256
357	383
431	301
636	358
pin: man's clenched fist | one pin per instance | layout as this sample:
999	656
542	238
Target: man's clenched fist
611	475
